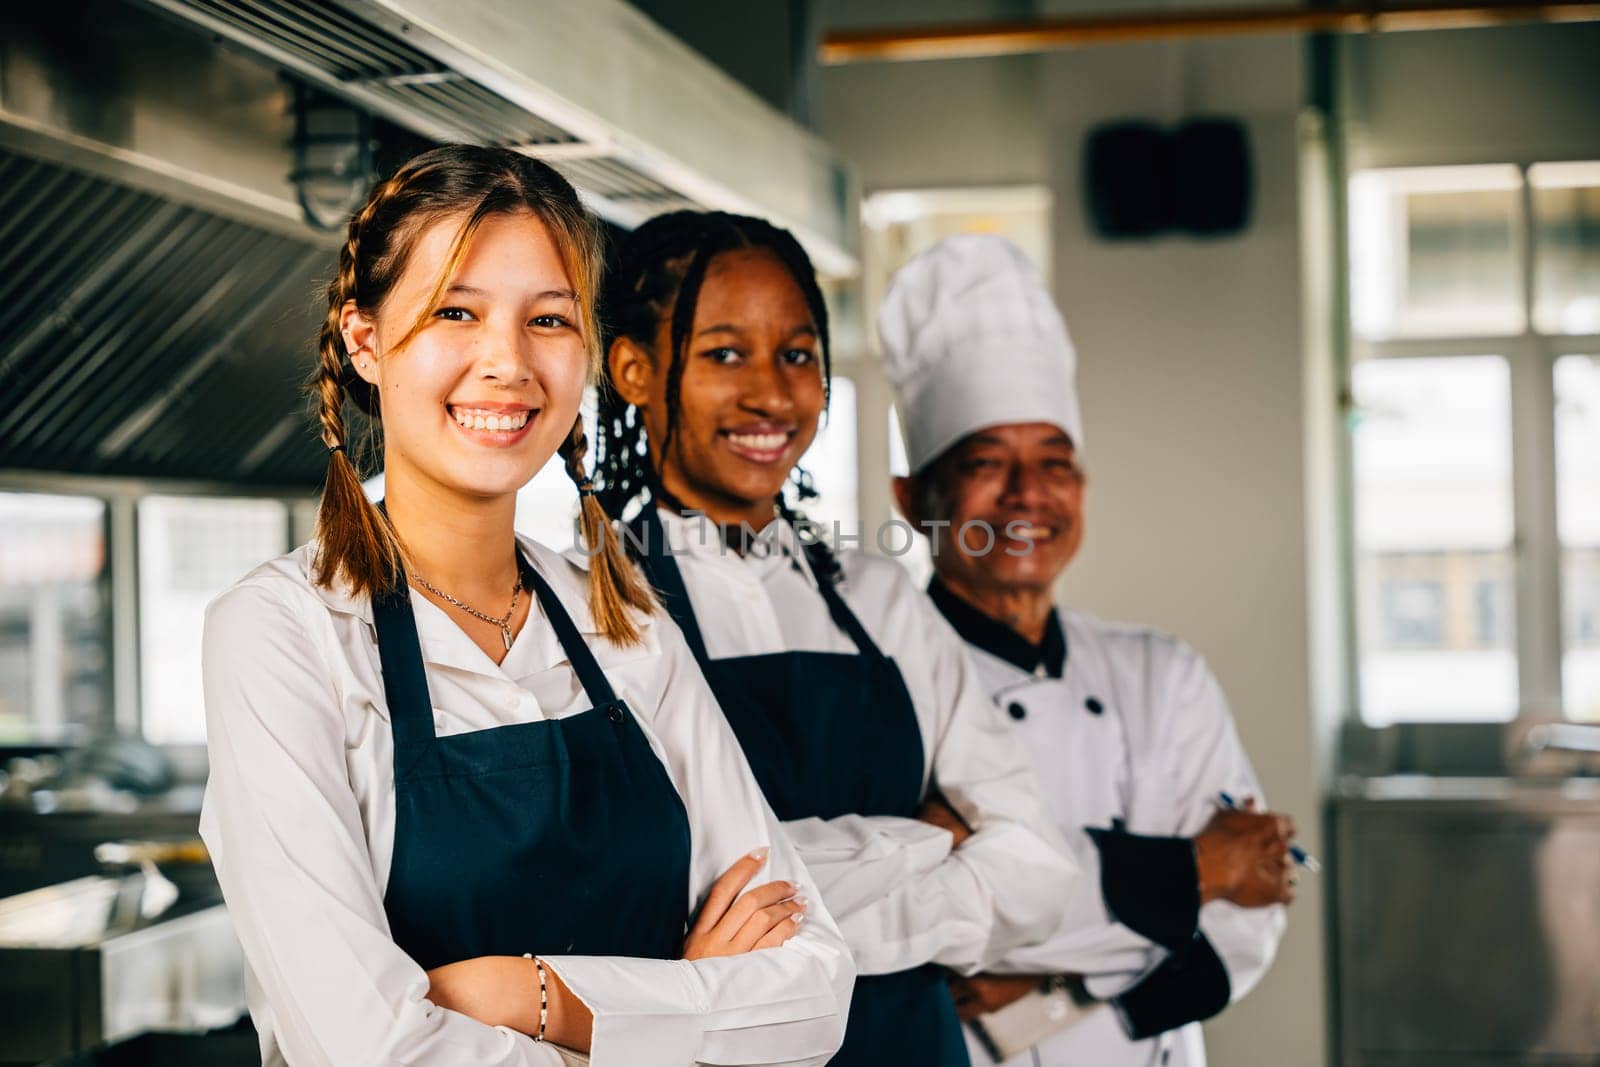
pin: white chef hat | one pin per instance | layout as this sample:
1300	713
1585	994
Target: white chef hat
971	339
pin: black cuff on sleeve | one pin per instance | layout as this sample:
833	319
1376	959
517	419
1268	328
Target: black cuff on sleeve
1187	987
1150	885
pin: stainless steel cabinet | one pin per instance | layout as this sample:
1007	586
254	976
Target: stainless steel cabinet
79	965
1468	922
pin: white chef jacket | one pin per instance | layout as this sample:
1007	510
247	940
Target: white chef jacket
1151	762
299	818
899	893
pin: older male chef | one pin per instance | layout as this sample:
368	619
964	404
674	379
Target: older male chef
1130	735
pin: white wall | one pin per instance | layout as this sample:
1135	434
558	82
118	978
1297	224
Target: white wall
1191	380
946	123
1191	377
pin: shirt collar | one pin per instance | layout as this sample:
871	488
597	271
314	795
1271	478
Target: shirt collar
998	639
338	597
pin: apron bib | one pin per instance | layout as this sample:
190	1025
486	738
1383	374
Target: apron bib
555	837
829	734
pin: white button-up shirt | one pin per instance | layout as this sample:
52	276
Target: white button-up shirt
899	893
299	817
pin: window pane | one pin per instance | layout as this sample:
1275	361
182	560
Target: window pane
1434	539
54	618
547	507
1433	252
1578	521
191	549
899	224
1566	217
917	557
831	462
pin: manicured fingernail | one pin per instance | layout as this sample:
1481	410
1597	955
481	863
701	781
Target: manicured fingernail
803	902
798	918
760	853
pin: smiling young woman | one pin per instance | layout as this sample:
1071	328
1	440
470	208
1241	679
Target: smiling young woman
852	699
465	800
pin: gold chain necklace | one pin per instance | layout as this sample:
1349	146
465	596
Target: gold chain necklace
504	622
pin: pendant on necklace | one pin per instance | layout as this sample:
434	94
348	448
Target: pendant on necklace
505	635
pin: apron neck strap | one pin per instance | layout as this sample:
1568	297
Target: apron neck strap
595	684
843	617
405	682
649	549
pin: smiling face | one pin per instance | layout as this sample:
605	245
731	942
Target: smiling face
482	394
1024	482
751	394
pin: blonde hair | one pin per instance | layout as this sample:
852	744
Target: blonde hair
356	543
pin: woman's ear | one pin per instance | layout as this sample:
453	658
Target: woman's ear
360	335
633	372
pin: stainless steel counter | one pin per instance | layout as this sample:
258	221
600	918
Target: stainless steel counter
1468	921
91	961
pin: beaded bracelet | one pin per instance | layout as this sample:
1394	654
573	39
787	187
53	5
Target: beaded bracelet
544	995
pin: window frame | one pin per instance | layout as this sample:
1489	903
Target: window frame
122	497
1536	550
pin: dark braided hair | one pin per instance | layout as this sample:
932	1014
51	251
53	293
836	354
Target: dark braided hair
657	276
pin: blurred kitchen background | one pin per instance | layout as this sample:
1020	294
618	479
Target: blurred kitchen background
1342	405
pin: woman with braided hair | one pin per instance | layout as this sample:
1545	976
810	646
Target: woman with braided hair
468	805
853	700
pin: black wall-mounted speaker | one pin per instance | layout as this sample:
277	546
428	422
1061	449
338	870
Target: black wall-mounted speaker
1212	184
1129	179
1144	181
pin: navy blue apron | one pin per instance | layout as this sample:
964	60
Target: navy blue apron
829	734
560	836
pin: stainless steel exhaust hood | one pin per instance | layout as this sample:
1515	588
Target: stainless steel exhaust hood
639	121
154	261
145	338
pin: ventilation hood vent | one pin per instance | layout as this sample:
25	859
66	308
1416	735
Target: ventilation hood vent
172	343
640	123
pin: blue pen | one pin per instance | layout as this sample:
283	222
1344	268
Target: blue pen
1300	855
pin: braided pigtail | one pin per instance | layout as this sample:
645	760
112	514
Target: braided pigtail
615	585
355	542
